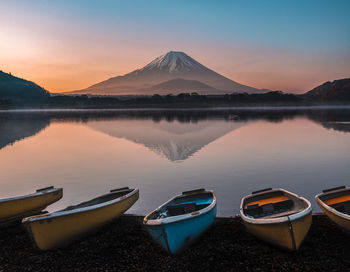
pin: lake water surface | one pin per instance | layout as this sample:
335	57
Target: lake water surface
232	152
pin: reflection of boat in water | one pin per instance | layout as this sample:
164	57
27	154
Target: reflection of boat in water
175	141
277	216
15	127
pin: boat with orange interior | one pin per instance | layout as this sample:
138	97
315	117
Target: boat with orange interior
335	203
277	216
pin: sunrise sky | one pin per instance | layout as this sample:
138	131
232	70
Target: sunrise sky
66	45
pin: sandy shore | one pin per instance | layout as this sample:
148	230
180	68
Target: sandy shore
125	246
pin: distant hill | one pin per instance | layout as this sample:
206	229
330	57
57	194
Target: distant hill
17	89
338	90
168	67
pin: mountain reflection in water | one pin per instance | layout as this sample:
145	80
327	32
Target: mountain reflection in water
175	141
174	135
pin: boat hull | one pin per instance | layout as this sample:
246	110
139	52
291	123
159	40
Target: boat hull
288	234
340	220
174	237
64	229
20	207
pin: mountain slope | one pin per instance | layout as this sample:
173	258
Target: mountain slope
172	65
179	85
338	90
15	89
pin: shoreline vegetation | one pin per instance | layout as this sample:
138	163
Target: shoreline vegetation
252	108
124	245
181	101
18	93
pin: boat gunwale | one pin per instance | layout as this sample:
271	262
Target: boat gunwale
38	193
178	218
329	208
79	210
282	219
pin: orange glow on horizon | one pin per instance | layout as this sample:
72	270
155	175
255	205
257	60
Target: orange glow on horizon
78	63
68	74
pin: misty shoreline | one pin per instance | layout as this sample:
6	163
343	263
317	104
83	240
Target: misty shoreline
248	108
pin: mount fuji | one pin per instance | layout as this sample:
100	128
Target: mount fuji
173	72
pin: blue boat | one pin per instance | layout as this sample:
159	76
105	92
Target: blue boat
179	221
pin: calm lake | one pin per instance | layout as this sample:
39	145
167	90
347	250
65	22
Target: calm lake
89	153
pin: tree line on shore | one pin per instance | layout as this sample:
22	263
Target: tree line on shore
20	93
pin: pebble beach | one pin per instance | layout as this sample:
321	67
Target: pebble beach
125	245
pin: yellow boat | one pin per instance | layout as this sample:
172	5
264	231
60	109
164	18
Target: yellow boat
63	227
277	216
335	203
16	208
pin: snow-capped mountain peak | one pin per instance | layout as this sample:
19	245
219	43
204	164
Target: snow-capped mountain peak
173	62
174	72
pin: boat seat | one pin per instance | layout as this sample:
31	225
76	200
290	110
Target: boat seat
283	205
201	206
253	210
179	209
343	207
286	213
269	209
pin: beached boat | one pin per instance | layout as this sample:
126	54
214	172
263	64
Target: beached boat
63	227
335	203
16	208
277	216
179	221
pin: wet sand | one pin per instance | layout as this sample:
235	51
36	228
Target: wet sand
125	245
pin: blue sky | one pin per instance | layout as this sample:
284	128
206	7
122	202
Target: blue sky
288	45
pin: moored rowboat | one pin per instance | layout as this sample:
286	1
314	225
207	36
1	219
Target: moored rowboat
21	206
335	203
277	216
63	227
179	221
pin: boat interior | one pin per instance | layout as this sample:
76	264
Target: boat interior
113	194
337	199
272	204
188	202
